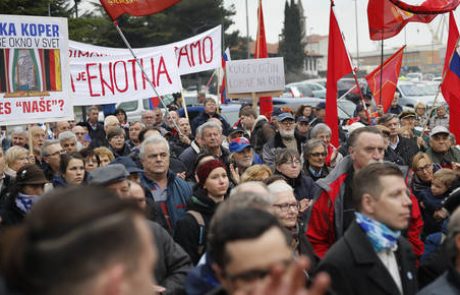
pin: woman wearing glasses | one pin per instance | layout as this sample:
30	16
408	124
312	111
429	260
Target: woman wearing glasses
315	153
423	168
286	209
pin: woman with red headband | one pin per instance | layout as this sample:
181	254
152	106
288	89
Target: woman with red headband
208	193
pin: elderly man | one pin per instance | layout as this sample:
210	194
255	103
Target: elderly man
441	150
210	111
403	147
60	127
19	137
95	128
133	134
110	122
81	132
182	140
68	141
152	118
441	118
333	211
164	187
284	138
38	136
372	257
51	152
209	137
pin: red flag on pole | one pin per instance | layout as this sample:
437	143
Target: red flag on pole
135	7
427	6
265	103
387	20
338	65
390	68
450	86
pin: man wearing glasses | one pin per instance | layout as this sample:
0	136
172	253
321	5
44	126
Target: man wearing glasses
51	152
441	151
285	137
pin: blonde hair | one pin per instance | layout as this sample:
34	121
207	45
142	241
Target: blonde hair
13	153
446	176
256	173
103	151
419	156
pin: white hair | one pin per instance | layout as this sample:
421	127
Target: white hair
279	186
154	140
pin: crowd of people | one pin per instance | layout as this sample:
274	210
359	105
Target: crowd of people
170	205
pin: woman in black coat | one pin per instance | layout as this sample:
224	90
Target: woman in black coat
211	189
25	191
315	153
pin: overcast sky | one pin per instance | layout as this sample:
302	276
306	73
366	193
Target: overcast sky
317	13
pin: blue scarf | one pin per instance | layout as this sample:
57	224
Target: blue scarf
24	202
381	237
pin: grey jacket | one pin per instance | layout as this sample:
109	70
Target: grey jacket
441	286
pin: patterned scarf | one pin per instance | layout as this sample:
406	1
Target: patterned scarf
24	202
381	237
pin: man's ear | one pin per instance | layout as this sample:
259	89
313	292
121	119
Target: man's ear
218	271
113	280
367	203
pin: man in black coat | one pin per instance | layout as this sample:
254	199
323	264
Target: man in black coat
372	257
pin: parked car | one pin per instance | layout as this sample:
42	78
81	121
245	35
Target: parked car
410	93
134	108
304	89
229	111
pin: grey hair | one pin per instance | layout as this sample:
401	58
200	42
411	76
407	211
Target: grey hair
46	144
154	140
66	135
19	130
311	145
207	125
319	128
279	186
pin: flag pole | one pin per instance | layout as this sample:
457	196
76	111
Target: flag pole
381	72
115	23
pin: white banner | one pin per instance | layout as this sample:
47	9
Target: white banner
34	84
196	54
255	75
111	79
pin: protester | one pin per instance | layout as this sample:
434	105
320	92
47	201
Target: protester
133	134
82	135
441	150
208	193
390	155
72	168
164	187
15	158
25	192
51	152
395	108
372	257
92	160
258	172
403	147
61	126
38	139
5	180
441	118
19	137
315	153
105	155
303	128
117	144
122	118
95	128
241	158
66	233
284	138
423	169
210	111
323	132
421	118
68	141
449	282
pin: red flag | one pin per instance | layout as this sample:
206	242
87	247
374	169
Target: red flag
450	86
265	103
390	68
338	65
387	20
428	6
135	7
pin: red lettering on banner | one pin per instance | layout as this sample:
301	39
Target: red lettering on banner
72	84
90	78
133	66
5	108
197	53
104	82
162	70
193	46
144	77
210	49
125	73
35	106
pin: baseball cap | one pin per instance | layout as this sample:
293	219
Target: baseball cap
439	130
285	116
321	106
303	119
238	144
128	163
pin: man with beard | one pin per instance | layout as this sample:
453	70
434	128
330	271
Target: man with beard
242	157
284	138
